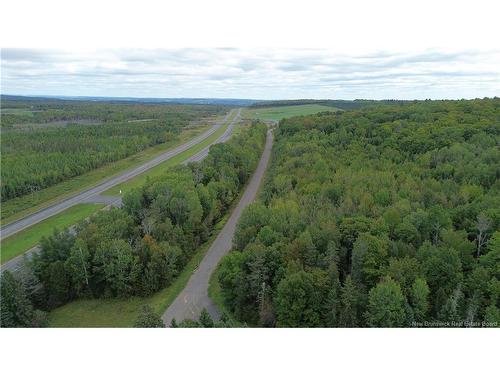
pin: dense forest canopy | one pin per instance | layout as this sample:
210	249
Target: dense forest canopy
46	142
140	248
385	216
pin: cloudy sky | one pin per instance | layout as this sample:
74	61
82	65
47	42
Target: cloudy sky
251	73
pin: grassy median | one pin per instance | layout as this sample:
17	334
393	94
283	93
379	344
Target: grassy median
24	240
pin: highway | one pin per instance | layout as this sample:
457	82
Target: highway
85	196
93	195
194	297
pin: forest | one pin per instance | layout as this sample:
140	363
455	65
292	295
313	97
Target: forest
387	216
45	142
339	104
140	248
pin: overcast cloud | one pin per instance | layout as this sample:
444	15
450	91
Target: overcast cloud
255	74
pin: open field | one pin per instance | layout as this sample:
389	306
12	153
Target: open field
122	312
26	239
277	113
160	168
20	207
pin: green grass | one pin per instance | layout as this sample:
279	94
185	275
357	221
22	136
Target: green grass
278	113
24	240
119	312
160	168
17	208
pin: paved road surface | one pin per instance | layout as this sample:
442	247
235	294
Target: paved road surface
16	263
194	297
10	229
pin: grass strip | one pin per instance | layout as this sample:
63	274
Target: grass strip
26	239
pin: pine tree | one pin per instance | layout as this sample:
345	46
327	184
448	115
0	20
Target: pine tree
349	300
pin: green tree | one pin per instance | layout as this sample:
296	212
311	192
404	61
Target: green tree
350	298
79	267
300	299
16	308
369	256
419	299
386	305
253	218
205	319
117	267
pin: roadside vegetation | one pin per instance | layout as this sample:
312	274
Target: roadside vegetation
387	216
142	248
24	240
123	312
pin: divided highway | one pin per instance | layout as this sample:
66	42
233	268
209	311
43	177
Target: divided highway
194	297
93	194
12	228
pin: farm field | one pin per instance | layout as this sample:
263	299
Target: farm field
278	113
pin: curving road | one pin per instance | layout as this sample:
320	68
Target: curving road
10	229
194	297
14	264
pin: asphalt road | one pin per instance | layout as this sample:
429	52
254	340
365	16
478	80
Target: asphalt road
10	229
14	264
194	297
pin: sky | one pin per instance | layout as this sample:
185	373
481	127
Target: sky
251	73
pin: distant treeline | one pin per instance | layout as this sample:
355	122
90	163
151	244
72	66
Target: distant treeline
42	111
14	99
341	104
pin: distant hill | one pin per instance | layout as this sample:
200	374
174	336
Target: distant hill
201	101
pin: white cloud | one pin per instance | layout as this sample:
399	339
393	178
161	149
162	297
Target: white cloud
251	73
